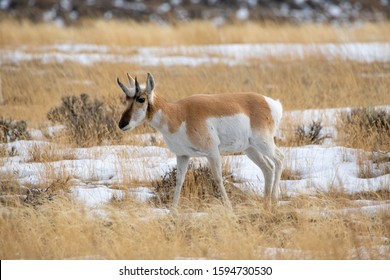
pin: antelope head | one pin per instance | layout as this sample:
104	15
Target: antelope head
138	100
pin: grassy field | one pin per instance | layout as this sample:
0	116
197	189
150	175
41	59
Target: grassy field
328	225
63	230
312	83
125	33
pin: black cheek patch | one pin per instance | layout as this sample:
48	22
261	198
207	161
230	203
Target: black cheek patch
126	116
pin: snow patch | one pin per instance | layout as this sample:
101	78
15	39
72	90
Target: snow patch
229	54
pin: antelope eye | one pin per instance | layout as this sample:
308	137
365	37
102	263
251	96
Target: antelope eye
140	100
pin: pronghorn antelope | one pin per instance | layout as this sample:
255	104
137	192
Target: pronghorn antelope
207	125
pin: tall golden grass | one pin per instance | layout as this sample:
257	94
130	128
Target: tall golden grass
30	89
128	33
308	228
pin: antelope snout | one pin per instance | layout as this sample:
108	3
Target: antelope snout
123	125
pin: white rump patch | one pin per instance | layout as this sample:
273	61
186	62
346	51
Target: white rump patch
276	110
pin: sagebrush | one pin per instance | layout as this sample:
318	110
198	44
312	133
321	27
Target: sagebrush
11	130
365	128
88	122
301	135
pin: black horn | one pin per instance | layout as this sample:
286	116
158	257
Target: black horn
137	87
124	88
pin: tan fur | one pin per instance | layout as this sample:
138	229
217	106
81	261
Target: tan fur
196	109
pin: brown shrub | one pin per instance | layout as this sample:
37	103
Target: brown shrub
11	130
365	128
88	122
301	135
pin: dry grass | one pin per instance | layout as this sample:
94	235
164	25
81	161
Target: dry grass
302	135
290	174
48	153
199	188
60	229
372	165
300	85
13	130
310	83
127	33
365	128
47	223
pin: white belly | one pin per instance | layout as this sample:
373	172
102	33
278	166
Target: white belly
232	132
229	134
180	144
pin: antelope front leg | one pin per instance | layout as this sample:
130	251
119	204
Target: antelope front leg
182	166
216	169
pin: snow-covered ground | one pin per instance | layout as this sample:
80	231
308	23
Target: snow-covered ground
95	173
229	54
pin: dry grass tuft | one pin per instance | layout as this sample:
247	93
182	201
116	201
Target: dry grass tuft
289	174
49	153
5	152
302	135
365	128
370	165
199	188
11	192
11	130
379	195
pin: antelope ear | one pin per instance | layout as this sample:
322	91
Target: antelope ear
137	87
150	87
131	81
149	83
128	92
